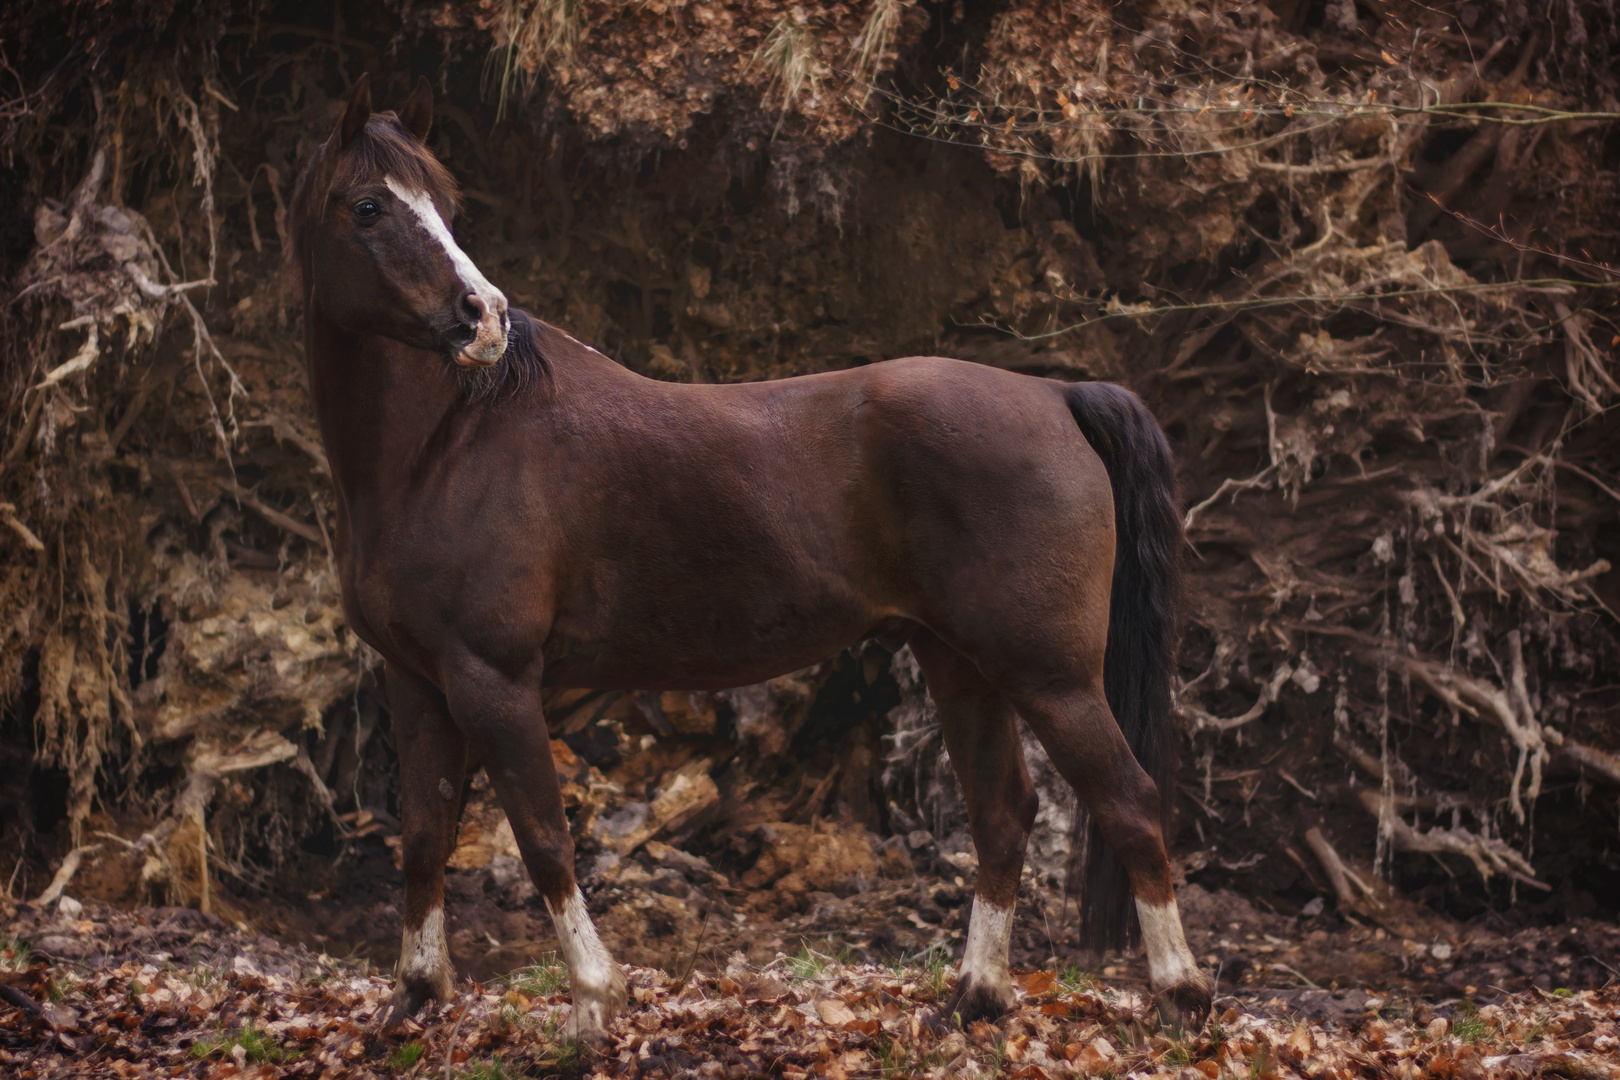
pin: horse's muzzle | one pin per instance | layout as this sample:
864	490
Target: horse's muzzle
482	352
489	323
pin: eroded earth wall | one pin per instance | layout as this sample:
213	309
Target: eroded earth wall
1357	257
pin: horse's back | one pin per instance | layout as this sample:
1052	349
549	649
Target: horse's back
900	466
981	440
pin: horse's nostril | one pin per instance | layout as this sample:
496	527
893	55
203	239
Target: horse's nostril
473	309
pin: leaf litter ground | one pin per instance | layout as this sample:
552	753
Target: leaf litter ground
171	992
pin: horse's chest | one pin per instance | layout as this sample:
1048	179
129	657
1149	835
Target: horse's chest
416	609
378	603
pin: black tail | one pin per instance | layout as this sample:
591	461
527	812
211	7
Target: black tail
1142	633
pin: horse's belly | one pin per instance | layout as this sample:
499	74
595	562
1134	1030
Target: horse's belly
706	652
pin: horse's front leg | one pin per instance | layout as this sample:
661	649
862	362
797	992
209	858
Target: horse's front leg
504	720
432	765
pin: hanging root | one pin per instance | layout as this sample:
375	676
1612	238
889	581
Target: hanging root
1488	854
1352	890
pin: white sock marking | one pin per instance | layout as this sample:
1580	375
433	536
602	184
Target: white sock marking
1169	960
490	341
424	955
597	982
989	938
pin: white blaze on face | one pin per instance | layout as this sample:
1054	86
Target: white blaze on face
596	981
489	340
985	958
1170	962
425	957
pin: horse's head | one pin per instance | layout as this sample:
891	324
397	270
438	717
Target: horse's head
371	236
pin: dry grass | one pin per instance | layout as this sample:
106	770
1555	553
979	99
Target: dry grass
788	57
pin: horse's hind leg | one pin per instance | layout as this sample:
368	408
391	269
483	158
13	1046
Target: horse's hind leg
1080	735
506	725
432	764
981	734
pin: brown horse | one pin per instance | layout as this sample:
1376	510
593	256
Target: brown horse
516	509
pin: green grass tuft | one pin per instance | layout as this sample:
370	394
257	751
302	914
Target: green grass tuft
809	964
932	967
1468	1025
259	1046
1073	978
406	1057
492	1069
543	979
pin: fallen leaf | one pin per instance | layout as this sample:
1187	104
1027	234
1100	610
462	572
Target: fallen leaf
1039	982
834	1013
1096	1057
983	1031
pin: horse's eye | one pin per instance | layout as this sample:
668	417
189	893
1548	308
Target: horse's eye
367	210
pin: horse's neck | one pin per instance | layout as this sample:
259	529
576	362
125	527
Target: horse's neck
379	404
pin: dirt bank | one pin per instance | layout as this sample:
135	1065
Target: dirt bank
1356	257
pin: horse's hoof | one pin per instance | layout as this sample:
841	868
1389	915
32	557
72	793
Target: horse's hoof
589	1030
595	1012
971	1000
405	1003
1185	1006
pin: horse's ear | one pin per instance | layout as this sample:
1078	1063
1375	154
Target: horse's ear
417	112
358	112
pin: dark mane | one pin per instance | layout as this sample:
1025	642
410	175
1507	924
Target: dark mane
523	364
382	148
